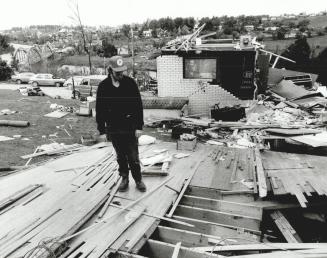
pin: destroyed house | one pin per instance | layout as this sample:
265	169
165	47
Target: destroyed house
207	76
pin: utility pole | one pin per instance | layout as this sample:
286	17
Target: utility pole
132	32
104	66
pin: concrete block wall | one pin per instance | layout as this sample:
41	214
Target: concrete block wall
201	94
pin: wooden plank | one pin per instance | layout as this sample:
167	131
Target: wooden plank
18	195
157	217
260	174
181	169
111	196
212	228
104	220
250	210
136	242
185	186
289	132
219	217
234	169
204	192
159	249
63	149
237	196
285	227
285	254
121	254
110	231
176	250
187	237
265	247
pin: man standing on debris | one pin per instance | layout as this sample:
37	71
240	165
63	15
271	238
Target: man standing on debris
119	113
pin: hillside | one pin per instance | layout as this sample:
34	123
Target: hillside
317	21
278	46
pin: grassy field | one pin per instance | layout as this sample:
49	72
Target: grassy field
317	21
278	46
33	109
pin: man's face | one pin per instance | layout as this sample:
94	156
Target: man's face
118	76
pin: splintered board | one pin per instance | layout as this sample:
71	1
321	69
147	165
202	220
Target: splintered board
300	175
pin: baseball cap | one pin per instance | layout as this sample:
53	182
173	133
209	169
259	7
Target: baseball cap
117	64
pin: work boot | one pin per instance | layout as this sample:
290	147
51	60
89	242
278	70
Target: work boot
123	185
140	186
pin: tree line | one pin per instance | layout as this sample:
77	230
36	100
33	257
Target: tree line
302	54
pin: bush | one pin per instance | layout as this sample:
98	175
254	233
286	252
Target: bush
5	71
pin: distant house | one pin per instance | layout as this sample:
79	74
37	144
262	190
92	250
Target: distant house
291	35
185	30
161	33
272	28
249	28
147	33
123	50
260	27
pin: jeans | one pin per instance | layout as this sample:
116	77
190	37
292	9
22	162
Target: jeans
126	147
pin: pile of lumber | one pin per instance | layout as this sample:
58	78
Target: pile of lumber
70	206
62	207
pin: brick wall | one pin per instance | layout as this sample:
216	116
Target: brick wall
201	95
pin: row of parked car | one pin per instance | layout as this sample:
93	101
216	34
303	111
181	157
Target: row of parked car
44	79
81	86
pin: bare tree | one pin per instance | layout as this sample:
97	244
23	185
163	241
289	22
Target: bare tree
85	35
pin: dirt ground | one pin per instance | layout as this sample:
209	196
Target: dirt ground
33	109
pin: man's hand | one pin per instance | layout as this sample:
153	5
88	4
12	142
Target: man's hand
102	138
138	133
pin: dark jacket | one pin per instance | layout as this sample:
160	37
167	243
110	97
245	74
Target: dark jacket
120	108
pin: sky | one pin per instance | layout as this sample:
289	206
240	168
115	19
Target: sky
22	13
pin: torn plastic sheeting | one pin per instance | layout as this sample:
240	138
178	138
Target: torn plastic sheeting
318	140
311	102
146	140
276	75
290	91
155	159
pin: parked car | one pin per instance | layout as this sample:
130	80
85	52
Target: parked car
46	79
22	77
88	86
69	82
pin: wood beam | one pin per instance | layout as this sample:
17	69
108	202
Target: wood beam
236	196
189	238
225	206
211	228
266	247
285	227
159	249
121	254
219	217
176	250
262	185
185	186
